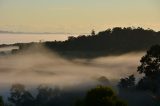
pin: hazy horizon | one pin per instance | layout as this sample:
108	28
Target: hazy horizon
74	16
27	38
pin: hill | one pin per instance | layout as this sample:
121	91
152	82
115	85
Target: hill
114	41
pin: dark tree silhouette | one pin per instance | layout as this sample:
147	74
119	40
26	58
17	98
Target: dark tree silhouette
109	42
150	67
150	63
47	96
93	33
127	82
19	96
101	96
1	101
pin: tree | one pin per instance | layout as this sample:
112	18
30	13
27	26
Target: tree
150	67
47	96
93	33
127	82
71	38
101	96
20	96
1	101
150	63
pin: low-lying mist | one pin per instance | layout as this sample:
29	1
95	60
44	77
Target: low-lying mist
33	68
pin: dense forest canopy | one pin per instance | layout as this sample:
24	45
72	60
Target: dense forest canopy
109	42
117	39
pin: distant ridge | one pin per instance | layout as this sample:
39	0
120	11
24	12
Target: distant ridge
114	41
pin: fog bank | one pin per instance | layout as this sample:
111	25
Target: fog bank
34	68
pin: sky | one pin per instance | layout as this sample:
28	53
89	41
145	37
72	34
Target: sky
77	16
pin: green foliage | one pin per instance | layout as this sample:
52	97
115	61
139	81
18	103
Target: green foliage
101	96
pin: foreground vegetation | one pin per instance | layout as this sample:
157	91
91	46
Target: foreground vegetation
148	83
99	96
150	70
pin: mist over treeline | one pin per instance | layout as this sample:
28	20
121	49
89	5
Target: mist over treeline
114	41
40	67
33	64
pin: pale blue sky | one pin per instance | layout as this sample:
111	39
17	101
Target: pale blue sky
77	16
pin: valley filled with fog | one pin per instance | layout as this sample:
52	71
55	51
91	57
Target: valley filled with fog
33	68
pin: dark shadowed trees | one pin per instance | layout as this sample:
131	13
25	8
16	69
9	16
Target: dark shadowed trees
47	96
150	68
150	63
109	42
1	101
93	33
19	96
101	96
149	83
128	82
